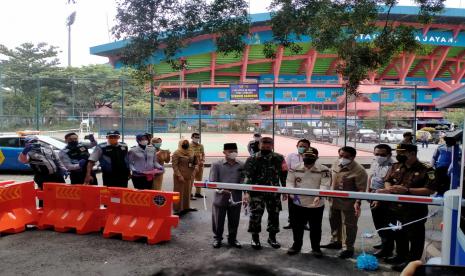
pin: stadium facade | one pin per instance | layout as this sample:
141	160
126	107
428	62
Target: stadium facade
306	83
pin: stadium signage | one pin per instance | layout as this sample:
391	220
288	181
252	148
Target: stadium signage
244	93
434	37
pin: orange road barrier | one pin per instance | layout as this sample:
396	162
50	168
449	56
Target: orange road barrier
6	182
136	214
68	207
17	207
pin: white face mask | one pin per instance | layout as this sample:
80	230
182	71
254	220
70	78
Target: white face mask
195	140
143	142
232	155
381	159
344	161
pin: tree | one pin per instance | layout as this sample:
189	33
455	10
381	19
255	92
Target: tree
239	114
455	116
332	25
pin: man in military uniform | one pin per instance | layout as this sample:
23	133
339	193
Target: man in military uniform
347	175
199	152
75	155
113	158
269	169
408	176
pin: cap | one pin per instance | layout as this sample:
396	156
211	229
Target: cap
257	134
113	133
31	139
230	146
70	134
140	136
407	147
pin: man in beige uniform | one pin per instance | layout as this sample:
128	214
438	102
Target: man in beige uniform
347	175
199	153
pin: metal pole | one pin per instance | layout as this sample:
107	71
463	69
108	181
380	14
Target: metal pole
1	93
122	109
69	45
38	105
415	114
273	107
73	96
379	116
179	106
199	96
345	119
151	104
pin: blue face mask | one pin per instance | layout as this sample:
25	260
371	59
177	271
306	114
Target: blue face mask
301	150
157	145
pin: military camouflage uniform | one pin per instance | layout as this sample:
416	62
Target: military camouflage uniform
269	170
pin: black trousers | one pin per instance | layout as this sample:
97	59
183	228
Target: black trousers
218	219
77	177
115	180
410	240
301	216
444	180
40	179
381	219
141	183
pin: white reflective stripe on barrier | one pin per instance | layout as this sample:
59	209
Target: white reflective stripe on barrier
322	193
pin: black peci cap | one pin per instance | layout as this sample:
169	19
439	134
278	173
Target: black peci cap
230	146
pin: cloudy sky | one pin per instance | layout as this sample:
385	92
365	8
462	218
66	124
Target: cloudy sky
45	21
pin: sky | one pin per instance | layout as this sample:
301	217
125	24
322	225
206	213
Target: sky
45	21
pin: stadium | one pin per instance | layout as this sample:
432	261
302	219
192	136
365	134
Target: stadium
305	86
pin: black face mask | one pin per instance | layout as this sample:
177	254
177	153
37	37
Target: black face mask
265	152
401	158
309	161
185	146
73	143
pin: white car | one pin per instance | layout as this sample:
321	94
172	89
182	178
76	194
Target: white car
393	135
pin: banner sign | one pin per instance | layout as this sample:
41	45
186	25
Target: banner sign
244	93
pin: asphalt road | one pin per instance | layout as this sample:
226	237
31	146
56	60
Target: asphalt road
37	252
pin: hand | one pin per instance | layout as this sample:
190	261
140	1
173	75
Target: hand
27	149
246	198
82	163
374	204
88	179
383	191
357	208
398	189
91	138
316	201
410	269
285	197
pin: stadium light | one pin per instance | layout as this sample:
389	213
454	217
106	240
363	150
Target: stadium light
69	22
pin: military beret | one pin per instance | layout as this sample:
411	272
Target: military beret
268	140
230	146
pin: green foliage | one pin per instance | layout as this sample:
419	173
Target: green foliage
455	116
239	114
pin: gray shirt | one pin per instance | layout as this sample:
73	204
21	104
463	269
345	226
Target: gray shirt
378	172
222	171
141	160
73	165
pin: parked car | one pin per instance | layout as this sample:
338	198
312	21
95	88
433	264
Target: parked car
12	145
320	134
393	135
334	132
364	135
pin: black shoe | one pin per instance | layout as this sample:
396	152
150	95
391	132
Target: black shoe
193	197
317	253
288	226
256	242
394	260
332	245
216	244
293	250
191	209
306	227
378	246
198	195
274	243
399	267
235	243
344	254
382	254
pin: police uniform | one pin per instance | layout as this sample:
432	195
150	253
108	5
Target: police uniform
267	170
199	153
352	177
302	210
419	175
114	163
71	155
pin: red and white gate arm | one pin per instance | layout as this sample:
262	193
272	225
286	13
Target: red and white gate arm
322	193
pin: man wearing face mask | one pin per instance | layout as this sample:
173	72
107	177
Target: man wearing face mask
75	155
379	209
347	175
305	210
113	158
143	163
253	146
199	153
445	161
228	170
269	169
408	176
295	158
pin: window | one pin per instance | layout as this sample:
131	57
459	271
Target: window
287	94
320	94
9	142
384	95
222	95
398	96
301	94
412	95
268	94
334	94
428	96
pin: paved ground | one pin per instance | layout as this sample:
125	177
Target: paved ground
50	253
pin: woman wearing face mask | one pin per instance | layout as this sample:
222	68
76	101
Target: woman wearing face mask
143	163
163	156
184	164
